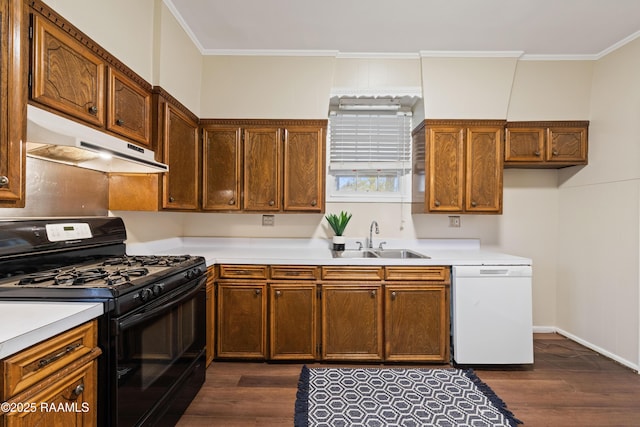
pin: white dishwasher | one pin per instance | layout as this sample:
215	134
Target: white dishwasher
492	315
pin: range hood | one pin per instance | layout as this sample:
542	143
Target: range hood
55	138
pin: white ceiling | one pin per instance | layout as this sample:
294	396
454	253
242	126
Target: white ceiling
557	28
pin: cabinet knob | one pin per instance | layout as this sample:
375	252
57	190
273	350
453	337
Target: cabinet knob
373	293
271	202
437	203
554	152
394	295
278	293
536	153
258	291
4	181
232	201
171	199
314	202
474	204
93	110
78	390
119	122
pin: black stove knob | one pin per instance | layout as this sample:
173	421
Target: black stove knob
145	294
193	273
157	289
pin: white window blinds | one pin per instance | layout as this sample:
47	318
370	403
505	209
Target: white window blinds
370	141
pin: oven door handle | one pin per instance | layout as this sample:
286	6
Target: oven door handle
135	319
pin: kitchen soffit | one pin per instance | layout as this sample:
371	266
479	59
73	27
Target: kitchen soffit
581	29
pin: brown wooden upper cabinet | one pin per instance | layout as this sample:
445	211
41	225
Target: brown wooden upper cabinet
180	145
263	166
13	97
74	76
458	166
129	108
551	144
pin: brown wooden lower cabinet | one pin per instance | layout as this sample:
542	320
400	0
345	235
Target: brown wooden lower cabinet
352	322
333	313
53	383
242	320
416	323
293	319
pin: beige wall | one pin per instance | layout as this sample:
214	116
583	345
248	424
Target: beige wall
124	28
267	87
599	239
467	88
551	90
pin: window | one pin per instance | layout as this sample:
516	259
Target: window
369	155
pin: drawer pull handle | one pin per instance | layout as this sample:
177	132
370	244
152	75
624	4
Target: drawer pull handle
67	350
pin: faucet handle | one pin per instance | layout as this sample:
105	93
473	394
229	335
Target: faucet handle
359	245
380	245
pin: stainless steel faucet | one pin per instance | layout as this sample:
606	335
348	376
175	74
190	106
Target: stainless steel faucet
370	242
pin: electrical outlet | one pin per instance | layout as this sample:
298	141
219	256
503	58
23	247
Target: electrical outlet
454	221
268	220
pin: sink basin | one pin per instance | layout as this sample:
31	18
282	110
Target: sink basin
354	254
398	253
378	253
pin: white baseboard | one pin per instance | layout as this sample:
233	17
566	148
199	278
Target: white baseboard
553	329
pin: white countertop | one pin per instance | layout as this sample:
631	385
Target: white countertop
317	251
28	323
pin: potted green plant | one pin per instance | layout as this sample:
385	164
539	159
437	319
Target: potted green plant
338	224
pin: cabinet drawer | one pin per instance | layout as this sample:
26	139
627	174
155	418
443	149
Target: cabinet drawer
297	272
432	274
352	273
41	360
243	271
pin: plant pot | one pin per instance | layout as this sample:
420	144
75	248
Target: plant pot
339	243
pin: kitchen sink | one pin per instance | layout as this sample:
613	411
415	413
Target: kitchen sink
378	253
398	253
354	253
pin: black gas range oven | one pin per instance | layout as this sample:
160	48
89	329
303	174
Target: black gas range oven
152	334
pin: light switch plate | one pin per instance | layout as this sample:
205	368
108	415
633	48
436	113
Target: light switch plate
454	221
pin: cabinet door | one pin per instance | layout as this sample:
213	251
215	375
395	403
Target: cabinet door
416	323
129	108
352	322
75	391
221	166
304	169
567	145
484	170
67	76
182	154
262	169
13	102
524	145
292	321
445	177
242	319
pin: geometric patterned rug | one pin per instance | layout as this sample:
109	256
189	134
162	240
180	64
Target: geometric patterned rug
407	397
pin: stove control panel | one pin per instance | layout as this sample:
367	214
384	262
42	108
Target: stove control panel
69	231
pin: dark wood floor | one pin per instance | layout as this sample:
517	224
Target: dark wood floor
569	385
